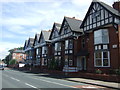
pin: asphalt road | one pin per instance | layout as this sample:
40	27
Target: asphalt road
13	79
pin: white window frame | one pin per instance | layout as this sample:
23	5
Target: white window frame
102	59
100	31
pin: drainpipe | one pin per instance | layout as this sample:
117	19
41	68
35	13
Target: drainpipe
118	45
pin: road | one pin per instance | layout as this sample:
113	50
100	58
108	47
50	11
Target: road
13	79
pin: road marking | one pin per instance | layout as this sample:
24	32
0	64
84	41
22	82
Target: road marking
55	83
30	85
14	79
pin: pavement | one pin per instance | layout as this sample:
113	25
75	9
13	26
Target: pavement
86	83
96	82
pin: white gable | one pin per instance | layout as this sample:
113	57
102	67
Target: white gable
65	28
97	16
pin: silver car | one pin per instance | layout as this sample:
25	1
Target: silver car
1	67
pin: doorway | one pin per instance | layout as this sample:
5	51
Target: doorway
81	63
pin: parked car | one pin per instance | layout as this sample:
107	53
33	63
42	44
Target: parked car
1	67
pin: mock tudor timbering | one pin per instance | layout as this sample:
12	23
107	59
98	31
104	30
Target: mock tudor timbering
76	45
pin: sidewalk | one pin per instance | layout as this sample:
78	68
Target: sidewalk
96	82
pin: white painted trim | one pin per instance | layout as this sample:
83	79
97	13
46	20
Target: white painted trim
102	59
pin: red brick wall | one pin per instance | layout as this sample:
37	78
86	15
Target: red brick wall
90	44
113	51
114	60
18	56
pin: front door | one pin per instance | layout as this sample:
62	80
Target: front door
81	63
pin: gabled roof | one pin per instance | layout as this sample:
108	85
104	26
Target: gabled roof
107	7
57	26
37	36
26	42
30	42
45	34
73	24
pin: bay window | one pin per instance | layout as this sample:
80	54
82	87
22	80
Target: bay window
101	36
44	50
101	44
69	44
102	59
37	51
57	46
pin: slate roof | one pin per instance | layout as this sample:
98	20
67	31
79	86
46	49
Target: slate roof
58	26
74	24
46	35
31	41
38	36
111	9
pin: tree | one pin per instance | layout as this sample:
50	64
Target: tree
12	62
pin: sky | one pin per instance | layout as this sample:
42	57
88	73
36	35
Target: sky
21	19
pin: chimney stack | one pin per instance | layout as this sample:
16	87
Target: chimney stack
116	5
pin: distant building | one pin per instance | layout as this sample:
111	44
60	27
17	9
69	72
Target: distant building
19	55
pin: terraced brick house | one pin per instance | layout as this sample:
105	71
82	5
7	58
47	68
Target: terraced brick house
29	50
101	26
18	55
55	46
44	48
69	32
37	50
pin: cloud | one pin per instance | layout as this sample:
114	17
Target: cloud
5	46
81	2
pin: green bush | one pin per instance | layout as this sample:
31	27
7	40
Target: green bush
98	71
117	71
12	62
